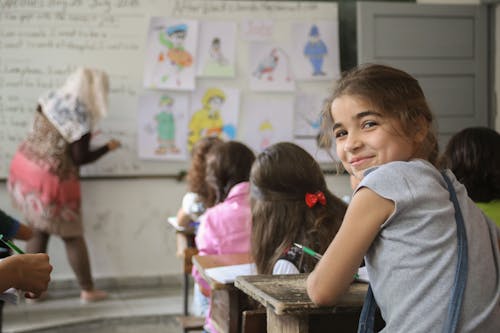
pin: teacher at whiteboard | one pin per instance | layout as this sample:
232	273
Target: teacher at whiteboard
44	173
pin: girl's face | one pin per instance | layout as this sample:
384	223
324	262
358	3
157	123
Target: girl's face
366	138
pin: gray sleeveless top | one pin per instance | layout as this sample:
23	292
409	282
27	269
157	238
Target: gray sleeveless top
412	261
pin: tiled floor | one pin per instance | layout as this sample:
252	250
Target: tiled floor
150	310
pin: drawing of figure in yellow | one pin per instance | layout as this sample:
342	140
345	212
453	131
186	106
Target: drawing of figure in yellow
165	127
266	134
173	39
207	121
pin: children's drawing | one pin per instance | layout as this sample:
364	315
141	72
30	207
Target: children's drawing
216	55
307	114
165	127
315	53
266	134
315	50
215	114
217	49
257	30
162	126
267	120
270	68
307	126
171	52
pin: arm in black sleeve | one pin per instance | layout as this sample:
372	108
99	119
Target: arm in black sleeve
81	153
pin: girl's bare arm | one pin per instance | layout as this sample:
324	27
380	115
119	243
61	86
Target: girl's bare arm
334	272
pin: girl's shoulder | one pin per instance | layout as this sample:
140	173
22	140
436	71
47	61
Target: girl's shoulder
414	169
403	179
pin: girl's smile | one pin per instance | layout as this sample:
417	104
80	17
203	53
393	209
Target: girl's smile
365	138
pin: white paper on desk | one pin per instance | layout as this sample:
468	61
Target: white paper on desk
362	275
11	295
227	274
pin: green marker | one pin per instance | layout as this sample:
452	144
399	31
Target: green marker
11	245
318	256
308	251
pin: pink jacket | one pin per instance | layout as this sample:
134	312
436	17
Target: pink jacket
226	227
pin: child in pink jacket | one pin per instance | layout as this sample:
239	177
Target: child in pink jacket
226	227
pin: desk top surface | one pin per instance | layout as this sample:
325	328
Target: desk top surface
286	294
203	262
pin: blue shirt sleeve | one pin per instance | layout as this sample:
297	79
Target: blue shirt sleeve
8	225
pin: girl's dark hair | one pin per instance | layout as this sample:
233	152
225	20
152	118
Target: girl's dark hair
228	164
394	93
196	174
280	178
473	154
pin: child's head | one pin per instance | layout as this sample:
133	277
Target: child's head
196	174
281	177
473	154
373	99
227	165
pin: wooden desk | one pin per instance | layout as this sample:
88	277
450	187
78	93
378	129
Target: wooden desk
186	248
227	302
290	310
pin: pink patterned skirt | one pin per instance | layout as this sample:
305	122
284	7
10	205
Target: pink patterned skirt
48	203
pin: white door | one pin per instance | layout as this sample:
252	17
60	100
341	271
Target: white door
443	46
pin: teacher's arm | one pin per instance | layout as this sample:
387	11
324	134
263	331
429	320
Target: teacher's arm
81	153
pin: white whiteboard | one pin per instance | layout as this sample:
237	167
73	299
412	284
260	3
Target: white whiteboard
42	41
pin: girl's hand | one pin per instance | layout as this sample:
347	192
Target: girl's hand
113	144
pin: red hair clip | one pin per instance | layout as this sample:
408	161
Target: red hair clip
313	198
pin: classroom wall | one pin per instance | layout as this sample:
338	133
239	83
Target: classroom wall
125	219
126	229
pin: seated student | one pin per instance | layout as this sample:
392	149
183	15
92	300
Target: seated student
225	228
429	271
200	196
473	154
290	204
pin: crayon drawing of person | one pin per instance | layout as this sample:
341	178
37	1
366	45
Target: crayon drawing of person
207	121
316	51
266	134
173	39
165	127
216	54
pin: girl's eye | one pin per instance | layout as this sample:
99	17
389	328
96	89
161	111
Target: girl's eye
369	123
339	133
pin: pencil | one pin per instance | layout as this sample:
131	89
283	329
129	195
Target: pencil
308	251
11	245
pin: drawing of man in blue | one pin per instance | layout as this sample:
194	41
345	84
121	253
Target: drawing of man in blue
315	50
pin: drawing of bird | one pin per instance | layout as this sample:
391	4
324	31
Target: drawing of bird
267	65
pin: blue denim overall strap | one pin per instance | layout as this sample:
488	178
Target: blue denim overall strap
460	280
367	317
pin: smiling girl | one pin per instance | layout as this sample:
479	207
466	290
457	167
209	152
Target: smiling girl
401	218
